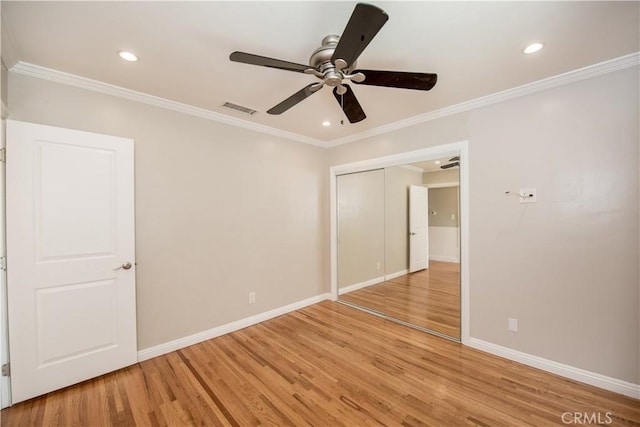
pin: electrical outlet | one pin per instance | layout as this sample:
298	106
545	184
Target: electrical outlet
378	265
527	195
252	297
512	325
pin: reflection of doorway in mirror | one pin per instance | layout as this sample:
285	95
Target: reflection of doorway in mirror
444	224
418	228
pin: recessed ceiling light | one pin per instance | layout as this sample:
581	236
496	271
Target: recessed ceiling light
532	48
437	162
326	123
127	56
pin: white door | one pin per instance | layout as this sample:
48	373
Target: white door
418	228
70	256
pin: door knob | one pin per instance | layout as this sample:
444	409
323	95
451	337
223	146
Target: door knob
412	234
126	266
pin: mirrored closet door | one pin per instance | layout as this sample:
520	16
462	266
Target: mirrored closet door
361	239
399	244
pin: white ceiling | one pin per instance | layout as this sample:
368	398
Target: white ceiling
433	165
474	47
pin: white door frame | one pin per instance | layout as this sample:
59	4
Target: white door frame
460	148
5	384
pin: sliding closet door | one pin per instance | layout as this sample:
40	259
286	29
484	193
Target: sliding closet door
361	238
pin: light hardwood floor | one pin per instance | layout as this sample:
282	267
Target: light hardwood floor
428	298
324	365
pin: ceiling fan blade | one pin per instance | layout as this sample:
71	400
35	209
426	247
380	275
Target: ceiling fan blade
365	22
399	79
450	165
301	95
249	58
454	159
350	105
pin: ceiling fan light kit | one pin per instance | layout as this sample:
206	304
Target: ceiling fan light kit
334	63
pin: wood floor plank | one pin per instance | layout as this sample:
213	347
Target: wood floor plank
324	365
428	298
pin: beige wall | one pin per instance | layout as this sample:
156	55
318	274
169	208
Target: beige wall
441	177
444	202
360	198
214	199
3	83
220	211
567	266
397	182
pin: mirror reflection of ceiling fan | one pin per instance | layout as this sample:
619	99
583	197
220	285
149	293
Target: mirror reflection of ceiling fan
455	162
334	63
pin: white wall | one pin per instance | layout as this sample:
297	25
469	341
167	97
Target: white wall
444	244
567	266
220	211
444	229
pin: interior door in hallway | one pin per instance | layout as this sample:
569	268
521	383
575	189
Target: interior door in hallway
71	260
418	228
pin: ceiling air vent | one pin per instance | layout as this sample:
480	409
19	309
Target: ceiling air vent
240	108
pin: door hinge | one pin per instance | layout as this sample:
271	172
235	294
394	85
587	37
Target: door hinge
6	370
3	263
3	154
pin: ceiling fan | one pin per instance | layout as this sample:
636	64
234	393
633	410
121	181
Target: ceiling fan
455	160
334	63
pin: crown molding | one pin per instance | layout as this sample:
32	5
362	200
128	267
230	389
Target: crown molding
610	66
56	76
617	64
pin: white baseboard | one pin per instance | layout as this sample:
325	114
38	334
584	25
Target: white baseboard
168	347
577	374
361	285
443	258
396	274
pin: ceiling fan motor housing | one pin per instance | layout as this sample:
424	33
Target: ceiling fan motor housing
322	55
320	60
